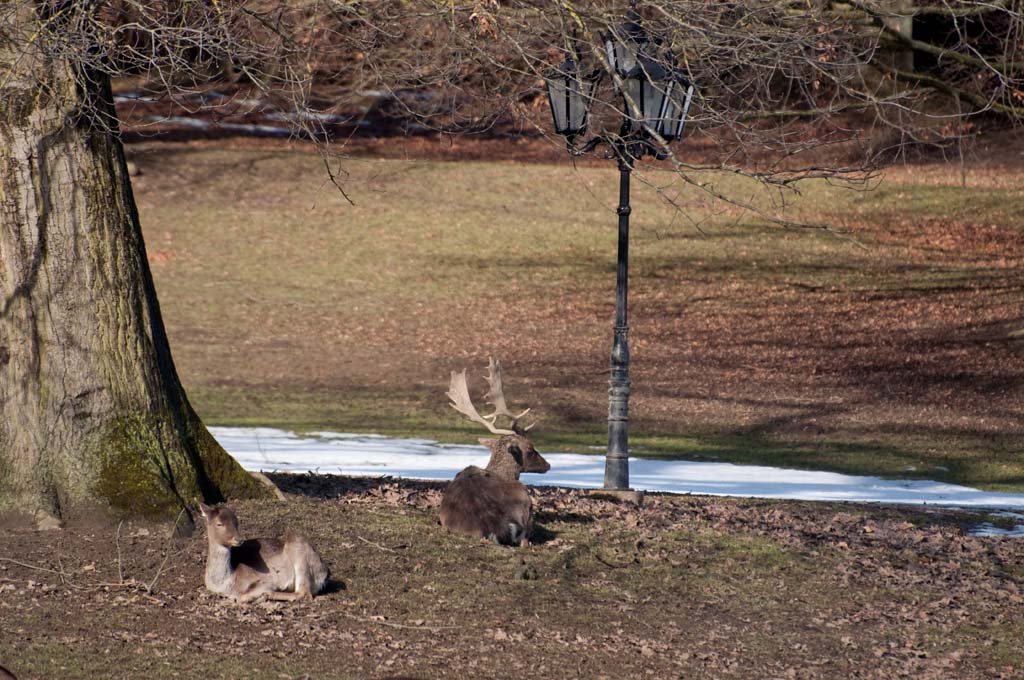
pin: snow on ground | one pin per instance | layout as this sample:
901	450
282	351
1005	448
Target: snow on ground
272	450
1015	528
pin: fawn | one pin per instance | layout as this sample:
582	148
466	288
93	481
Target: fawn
278	569
492	503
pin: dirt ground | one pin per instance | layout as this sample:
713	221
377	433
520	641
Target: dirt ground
682	587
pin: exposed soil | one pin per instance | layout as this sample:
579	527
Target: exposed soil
682	587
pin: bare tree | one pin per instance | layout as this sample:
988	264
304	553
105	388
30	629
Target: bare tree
91	408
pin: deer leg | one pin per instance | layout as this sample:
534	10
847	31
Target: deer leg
255	590
252	595
303	583
302	589
285	597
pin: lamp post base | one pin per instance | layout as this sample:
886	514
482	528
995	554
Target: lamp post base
616	474
634	496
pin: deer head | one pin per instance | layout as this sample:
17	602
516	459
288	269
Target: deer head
513	452
221	525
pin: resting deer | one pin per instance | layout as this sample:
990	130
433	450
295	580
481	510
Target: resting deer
492	503
278	569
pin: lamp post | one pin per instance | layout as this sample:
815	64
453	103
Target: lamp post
656	100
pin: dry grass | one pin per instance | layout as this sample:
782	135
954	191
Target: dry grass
893	348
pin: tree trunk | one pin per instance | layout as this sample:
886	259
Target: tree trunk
91	408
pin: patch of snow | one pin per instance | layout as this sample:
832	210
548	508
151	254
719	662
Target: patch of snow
273	450
246	128
991	530
988	530
307	114
134	96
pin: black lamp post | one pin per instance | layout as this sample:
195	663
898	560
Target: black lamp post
657	99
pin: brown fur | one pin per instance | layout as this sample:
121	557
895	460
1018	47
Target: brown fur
279	569
493	504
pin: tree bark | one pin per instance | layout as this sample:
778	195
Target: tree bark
91	407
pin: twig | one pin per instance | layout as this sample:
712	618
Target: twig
381	547
60	573
117	540
391	624
29	566
130	583
60	566
64	577
167	555
149	587
605	562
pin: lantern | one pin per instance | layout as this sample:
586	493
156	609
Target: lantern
674	109
627	45
570	93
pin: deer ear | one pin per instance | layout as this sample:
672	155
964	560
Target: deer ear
488	442
205	511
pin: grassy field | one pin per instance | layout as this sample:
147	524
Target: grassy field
891	344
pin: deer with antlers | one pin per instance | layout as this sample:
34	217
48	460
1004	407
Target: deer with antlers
492	503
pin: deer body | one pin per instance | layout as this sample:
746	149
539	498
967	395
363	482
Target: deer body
478	504
492	503
279	569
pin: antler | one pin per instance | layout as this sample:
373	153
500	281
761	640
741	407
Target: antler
458	392
496	396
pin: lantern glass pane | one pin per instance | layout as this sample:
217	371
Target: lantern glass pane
570	97
621	54
654	94
579	103
609	52
557	99
677	121
625	56
669	119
